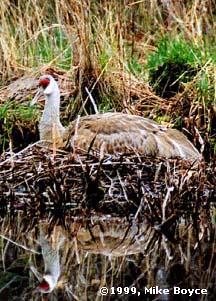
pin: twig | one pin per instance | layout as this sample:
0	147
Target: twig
8	284
18	245
19	153
92	100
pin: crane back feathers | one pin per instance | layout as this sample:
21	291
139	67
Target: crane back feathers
116	133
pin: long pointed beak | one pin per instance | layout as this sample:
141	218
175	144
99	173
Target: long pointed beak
37	96
38	275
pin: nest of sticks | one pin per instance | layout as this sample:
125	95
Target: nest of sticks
68	185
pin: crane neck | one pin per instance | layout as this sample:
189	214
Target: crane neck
50	126
52	109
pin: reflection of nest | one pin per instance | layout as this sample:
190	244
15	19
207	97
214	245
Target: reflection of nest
116	236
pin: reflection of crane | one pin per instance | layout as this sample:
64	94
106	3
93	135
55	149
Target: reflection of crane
112	133
50	252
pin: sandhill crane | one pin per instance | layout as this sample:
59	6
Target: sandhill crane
112	133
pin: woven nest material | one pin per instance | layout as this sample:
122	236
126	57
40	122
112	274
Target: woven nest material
69	185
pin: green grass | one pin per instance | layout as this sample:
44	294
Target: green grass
179	61
137	69
174	62
51	47
13	110
174	50
13	115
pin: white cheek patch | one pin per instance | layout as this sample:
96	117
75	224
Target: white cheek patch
49	89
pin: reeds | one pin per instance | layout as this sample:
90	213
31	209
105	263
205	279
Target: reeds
113	50
130	55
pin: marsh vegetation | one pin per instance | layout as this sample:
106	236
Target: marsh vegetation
154	58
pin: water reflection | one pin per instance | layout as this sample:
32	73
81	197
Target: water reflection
50	253
100	235
73	263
